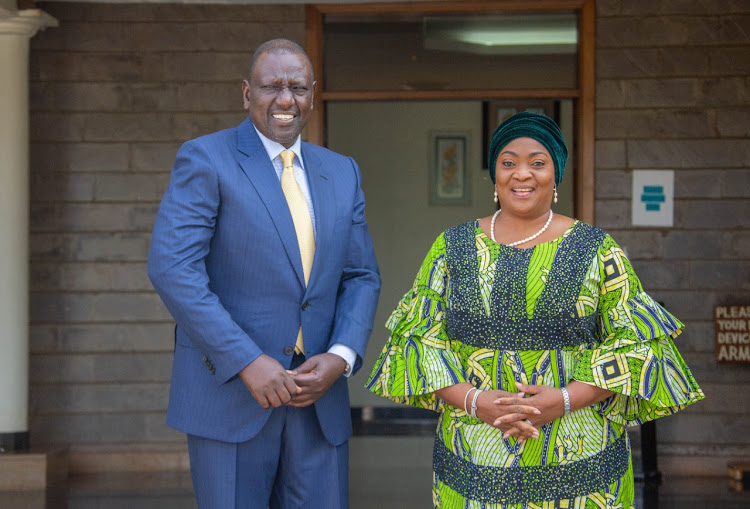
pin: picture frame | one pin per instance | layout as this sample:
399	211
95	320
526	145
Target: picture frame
449	168
495	111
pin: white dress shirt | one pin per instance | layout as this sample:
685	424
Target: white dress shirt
273	149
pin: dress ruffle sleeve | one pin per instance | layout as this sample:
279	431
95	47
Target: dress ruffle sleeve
418	358
635	356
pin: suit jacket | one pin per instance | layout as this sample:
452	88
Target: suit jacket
225	260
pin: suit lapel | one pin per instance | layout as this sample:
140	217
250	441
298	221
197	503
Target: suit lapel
253	160
321	190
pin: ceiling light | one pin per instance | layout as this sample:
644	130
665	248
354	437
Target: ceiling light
528	34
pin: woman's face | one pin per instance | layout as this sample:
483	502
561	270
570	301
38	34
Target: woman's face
525	177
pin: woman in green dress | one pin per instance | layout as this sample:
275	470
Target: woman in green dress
533	338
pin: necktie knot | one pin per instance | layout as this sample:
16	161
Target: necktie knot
287	158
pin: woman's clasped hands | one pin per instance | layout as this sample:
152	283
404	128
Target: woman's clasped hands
520	414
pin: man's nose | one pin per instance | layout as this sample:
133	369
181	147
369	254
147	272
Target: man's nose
285	96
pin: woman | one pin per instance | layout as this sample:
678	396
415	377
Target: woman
532	336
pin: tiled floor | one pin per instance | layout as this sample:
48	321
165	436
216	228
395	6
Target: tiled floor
370	490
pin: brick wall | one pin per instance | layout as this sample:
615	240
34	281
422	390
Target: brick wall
114	91
673	92
116	88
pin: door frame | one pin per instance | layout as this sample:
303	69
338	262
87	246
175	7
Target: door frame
583	95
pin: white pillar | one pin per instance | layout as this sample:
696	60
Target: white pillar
16	28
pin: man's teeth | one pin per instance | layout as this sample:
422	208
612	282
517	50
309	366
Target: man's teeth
283	117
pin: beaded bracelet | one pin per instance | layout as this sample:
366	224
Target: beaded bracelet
474	404
466	398
566	399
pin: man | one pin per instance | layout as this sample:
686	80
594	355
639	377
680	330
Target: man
268	268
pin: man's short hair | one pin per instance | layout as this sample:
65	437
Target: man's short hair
279	46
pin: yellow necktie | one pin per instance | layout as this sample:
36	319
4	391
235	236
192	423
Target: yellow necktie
302	222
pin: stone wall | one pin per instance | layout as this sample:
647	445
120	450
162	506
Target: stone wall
116	89
673	92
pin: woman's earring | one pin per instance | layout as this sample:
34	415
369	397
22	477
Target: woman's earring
496	198
555	198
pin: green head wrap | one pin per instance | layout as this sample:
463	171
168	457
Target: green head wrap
530	125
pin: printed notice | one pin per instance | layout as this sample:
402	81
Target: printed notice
732	333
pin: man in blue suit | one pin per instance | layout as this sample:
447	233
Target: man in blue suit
270	322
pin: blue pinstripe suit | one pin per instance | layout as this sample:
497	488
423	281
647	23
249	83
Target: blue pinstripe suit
224	259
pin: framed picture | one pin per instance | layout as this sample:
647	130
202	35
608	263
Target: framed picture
494	112
449	168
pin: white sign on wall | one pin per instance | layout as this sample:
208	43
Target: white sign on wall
653	198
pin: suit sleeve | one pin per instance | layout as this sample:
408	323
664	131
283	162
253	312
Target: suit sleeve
360	283
180	243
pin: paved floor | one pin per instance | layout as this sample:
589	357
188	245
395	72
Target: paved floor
386	472
410	491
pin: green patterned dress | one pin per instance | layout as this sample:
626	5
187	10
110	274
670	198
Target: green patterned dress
569	309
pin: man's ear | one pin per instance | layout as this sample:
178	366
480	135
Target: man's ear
246	95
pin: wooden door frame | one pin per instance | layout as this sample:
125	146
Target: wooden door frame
583	94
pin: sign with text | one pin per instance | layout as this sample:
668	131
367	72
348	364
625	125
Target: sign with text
732	333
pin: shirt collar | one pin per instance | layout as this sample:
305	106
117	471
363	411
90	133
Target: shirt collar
273	149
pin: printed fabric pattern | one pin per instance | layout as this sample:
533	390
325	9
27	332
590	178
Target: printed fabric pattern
491	315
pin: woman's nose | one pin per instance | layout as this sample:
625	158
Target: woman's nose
523	172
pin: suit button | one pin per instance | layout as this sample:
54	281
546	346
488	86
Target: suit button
209	365
288	350
304	305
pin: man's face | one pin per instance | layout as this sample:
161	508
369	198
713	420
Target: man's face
279	96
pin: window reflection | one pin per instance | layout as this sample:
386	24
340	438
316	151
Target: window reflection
415	52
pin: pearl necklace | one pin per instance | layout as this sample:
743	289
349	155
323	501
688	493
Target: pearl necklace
527	239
